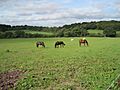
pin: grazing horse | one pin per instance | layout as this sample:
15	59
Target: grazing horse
40	43
59	44
84	42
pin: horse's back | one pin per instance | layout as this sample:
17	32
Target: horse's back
40	43
82	41
57	43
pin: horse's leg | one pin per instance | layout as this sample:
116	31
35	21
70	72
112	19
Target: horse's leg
44	45
55	45
87	43
79	43
60	45
84	44
37	45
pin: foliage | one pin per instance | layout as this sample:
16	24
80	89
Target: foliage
109	33
19	34
4	27
73	30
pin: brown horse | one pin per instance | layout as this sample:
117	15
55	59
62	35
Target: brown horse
84	42
40	43
59	44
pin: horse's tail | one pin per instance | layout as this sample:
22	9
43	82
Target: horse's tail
37	45
80	42
86	42
43	45
55	45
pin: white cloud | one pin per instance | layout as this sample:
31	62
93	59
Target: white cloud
46	12
68	1
117	5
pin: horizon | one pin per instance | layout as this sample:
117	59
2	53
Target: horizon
57	13
62	25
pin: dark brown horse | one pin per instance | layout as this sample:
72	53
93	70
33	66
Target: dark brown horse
84	42
40	44
59	44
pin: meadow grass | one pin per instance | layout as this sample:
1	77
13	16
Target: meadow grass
95	31
68	68
38	32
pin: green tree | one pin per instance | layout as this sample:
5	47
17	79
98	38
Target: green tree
4	27
60	33
20	34
70	34
83	30
2	35
109	33
9	34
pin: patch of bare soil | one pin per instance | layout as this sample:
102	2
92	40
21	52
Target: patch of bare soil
8	79
118	83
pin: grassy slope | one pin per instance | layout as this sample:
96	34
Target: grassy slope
95	31
38	32
99	31
91	68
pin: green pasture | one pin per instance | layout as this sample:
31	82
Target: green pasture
99	31
38	32
68	68
95	31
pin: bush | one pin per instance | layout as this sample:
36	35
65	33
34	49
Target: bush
109	33
9	35
19	34
95	35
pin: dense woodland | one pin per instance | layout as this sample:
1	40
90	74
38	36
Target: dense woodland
108	28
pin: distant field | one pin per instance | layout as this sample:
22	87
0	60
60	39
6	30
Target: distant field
118	33
100	31
68	68
38	32
95	31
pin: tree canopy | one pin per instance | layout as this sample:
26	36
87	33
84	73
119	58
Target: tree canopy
73	30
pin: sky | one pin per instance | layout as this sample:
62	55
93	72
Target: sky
57	12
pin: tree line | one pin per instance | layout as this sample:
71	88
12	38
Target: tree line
109	29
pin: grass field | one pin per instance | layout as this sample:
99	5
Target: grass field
95	31
68	68
38	32
99	31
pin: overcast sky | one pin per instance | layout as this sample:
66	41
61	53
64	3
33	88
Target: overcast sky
57	12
